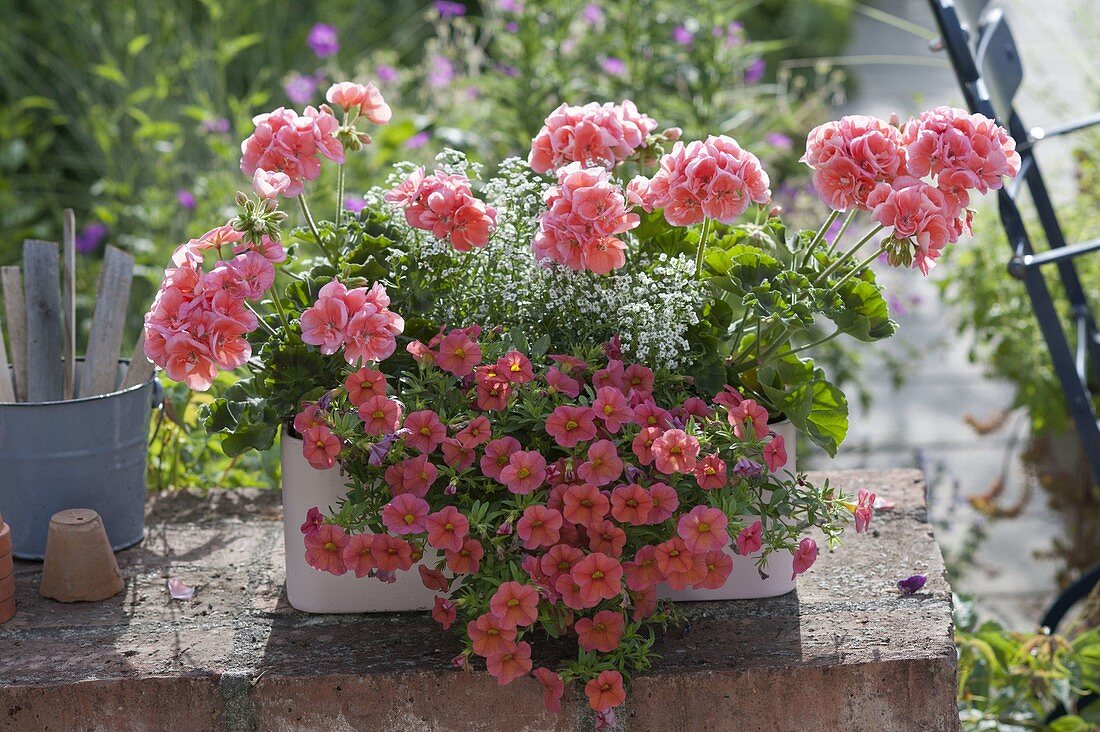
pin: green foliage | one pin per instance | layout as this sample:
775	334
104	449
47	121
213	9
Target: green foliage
1016	681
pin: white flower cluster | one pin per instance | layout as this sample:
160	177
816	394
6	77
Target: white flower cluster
650	303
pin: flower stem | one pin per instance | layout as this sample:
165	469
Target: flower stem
858	267
818	238
848	254
816	343
339	193
703	236
316	234
843	230
278	301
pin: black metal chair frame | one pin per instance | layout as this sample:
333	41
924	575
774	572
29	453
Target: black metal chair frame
989	72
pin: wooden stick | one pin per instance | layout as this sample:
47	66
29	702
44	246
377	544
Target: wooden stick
41	275
7	391
68	240
14	305
105	337
141	368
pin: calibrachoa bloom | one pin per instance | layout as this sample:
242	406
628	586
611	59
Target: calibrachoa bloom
804	556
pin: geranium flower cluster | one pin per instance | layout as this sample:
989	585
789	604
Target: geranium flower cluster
358	320
595	134
553	495
914	179
292	144
714	179
584	214
444	204
198	320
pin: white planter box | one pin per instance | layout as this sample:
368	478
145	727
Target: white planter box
312	590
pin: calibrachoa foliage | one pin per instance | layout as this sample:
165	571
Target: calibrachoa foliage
554	496
551	391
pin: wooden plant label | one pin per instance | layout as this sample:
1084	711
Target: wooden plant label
43	302
105	337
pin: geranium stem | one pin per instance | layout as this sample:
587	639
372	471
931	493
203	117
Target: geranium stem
848	254
316	234
703	236
843	230
339	193
857	268
816	241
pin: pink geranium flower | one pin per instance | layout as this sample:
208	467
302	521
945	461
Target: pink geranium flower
511	664
269	185
381	415
323	324
703	529
320	447
405	514
515	604
569	425
357	554
444	204
599	577
447	529
593	134
750	539
603	465
325	549
539	527
601	632
605	691
675	451
584	504
631	504
364	99
804	556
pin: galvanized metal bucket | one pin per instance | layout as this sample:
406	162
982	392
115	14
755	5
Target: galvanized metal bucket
80	453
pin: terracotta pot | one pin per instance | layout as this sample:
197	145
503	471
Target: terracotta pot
745	582
80	564
312	590
7	577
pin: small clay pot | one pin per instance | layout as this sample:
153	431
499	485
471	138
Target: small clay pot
79	562
7	578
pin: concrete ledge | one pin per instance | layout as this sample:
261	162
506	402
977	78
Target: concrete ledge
845	651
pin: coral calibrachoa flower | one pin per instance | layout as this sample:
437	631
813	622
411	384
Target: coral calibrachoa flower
554	518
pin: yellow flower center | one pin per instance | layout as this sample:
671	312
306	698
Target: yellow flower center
409	519
571	425
523	472
597	574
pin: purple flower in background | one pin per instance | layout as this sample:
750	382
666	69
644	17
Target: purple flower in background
911	585
448	9
354	204
613	66
682	35
833	230
472	92
300	89
511	26
218	125
778	139
510	71
755	72
186	199
323	40
420	139
510	6
91	237
386	74
592	13
747	468
441	73
734	33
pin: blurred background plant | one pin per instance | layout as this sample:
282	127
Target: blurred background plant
132	115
